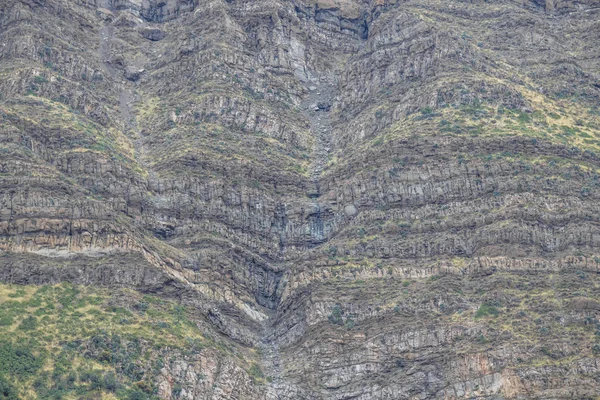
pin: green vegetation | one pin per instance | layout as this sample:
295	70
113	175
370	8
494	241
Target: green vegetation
78	134
7	390
67	342
336	315
40	79
538	117
486	310
28	324
256	372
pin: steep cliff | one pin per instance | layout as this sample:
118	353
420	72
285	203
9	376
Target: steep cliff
333	199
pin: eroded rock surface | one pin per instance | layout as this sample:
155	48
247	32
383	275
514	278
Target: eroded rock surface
375	199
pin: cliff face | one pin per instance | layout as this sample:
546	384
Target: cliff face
366	199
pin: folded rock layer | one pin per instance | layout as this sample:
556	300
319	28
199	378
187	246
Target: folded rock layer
346	199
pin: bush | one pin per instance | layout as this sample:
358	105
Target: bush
7	390
145	387
62	365
110	382
137	395
487	310
256	372
332	252
28	324
6	320
142	306
93	377
176	390
336	315
349	323
67	295
18	360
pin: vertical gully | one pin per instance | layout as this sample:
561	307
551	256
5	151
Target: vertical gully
127	96
316	108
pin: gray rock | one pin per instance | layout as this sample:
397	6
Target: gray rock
153	34
350	210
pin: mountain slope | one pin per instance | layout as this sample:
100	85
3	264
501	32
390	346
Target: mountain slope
356	199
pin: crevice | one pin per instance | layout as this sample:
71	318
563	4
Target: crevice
267	282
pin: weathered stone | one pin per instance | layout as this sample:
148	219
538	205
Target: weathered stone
153	34
350	210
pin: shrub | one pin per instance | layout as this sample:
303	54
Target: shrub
145	387
336	315
332	252
110	382
7	390
28	324
137	395
256	372
487	310
142	306
176	390
93	377
5	319
18	360
67	296
349	323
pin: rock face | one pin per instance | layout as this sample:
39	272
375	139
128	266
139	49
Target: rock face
374	199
